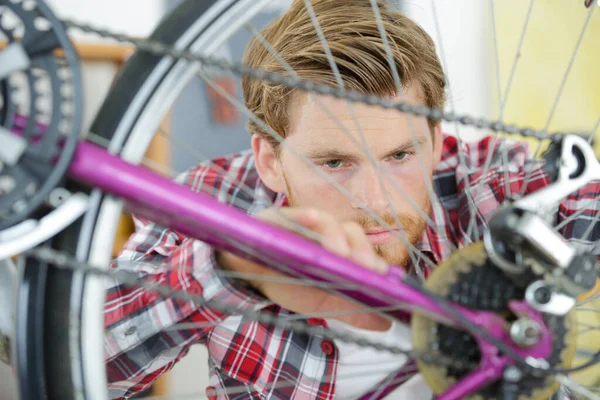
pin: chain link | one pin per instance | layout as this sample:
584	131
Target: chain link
160	49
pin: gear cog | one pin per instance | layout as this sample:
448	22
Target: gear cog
469	278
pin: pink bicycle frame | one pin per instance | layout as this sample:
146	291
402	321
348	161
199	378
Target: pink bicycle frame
202	217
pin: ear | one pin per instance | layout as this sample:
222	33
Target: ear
267	164
438	144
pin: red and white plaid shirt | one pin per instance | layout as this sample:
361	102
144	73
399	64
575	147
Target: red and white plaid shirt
146	335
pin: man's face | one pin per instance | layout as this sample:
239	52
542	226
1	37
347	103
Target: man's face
361	155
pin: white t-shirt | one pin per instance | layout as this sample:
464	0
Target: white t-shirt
360	369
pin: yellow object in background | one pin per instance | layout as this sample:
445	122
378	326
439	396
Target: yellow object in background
551	38
552	35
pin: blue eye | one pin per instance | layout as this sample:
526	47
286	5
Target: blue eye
400	156
333	164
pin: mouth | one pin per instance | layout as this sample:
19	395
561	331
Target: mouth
379	236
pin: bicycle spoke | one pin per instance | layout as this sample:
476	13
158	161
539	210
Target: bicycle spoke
516	60
568	70
496	55
575	387
174	174
327	110
231	198
327	286
289	383
340	83
588	325
401	235
390	380
330	314
283	267
324	314
252	197
560	91
588	232
589	299
503	100
153	165
572	217
585	309
582	332
501	111
594	130
399	89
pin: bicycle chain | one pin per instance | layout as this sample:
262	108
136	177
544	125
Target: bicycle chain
160	49
131	279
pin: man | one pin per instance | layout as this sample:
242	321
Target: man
321	177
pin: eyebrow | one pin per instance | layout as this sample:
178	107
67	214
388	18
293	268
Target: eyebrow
335	154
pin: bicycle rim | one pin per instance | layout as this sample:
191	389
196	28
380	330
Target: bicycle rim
150	85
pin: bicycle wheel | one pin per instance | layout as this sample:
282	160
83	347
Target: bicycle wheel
147	84
127	121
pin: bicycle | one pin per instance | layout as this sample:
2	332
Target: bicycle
62	225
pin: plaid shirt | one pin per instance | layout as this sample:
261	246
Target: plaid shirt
262	361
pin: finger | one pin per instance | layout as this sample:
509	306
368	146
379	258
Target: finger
326	229
362	250
288	218
356	237
330	230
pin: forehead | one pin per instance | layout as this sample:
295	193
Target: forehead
320	120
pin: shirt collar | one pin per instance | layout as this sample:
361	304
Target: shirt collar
436	241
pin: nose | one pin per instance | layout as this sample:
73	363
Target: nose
368	190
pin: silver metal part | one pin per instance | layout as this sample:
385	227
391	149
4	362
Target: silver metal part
58	196
512	374
544	200
580	277
497	258
538	363
8	283
556	250
31	233
525	332
13	58
7	184
557	303
12	147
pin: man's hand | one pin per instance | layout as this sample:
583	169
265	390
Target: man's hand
346	239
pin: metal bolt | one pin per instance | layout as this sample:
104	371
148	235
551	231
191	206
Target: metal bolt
512	220
19	206
7	184
525	332
30	189
58	196
512	374
539	363
542	295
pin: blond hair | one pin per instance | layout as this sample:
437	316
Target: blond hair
352	34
